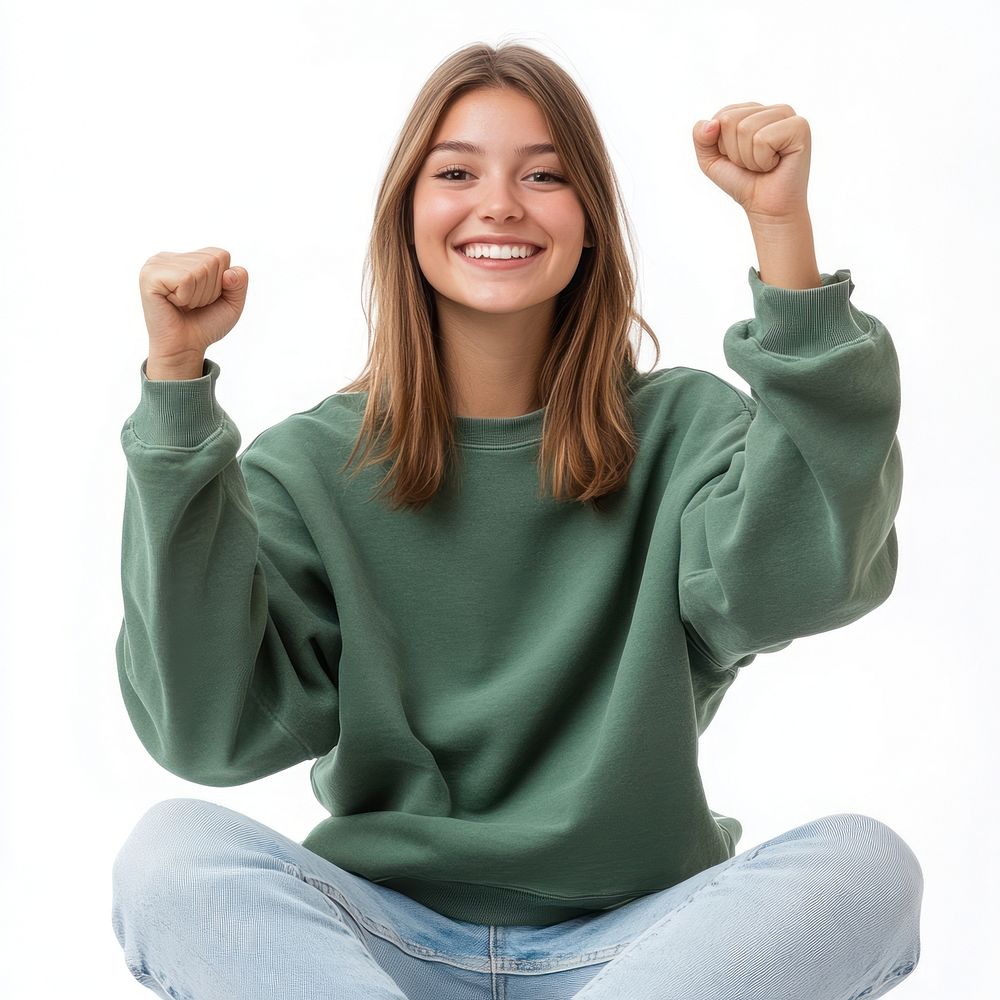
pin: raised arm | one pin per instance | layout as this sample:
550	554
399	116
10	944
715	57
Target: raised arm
230	642
792	530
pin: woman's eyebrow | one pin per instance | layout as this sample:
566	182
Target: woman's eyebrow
460	146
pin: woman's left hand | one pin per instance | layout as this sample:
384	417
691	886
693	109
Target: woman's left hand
759	155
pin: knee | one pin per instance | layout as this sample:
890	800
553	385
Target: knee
872	862
161	845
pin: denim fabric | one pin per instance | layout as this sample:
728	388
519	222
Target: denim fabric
209	904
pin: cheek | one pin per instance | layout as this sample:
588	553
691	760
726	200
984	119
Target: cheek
567	217
436	212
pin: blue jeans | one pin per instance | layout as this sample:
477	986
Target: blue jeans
209	904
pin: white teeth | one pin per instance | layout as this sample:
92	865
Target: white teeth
497	251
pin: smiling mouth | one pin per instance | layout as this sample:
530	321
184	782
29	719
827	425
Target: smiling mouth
534	248
499	263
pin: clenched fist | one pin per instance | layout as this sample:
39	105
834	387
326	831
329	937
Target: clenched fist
759	155
190	301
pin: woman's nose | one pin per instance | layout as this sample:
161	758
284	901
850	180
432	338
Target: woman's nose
499	200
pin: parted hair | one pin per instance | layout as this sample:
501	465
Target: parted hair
588	442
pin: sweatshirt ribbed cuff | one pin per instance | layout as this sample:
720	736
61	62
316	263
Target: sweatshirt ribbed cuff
804	322
178	412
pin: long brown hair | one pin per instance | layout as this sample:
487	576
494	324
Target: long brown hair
588	442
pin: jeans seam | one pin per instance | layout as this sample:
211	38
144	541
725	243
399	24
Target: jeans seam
471	963
390	935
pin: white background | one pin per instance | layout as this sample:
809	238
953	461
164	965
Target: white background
130	128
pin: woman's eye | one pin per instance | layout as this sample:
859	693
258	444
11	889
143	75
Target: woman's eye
451	170
555	178
546	173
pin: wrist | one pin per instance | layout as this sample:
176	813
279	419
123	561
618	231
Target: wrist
798	218
174	369
785	251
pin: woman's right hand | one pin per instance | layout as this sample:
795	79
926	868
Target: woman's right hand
190	301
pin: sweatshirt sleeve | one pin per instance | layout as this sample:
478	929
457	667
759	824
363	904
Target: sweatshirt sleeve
230	643
791	531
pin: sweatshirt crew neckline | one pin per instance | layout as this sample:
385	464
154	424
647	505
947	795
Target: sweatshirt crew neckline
506	432
499	432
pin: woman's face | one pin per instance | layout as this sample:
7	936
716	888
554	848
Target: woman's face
515	196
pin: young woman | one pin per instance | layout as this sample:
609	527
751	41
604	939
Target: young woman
502	663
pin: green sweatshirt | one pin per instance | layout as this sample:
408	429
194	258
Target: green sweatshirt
503	694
